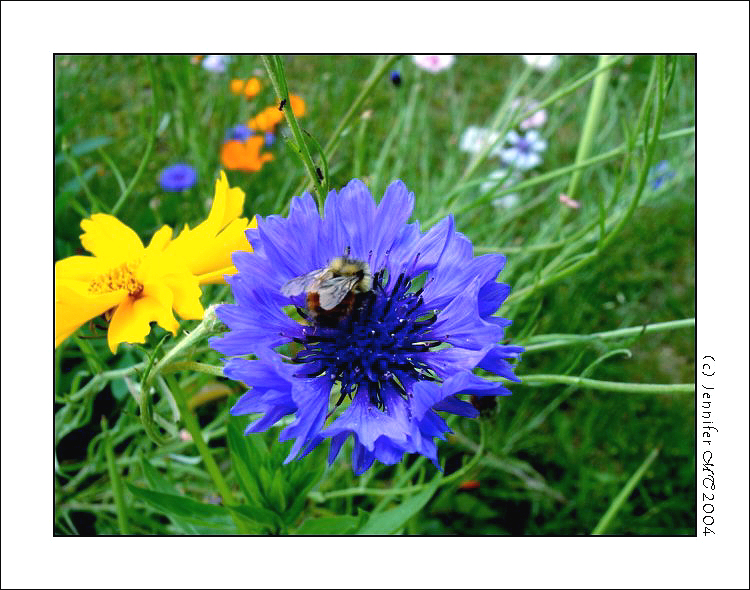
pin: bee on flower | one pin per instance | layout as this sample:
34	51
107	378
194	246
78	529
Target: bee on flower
392	322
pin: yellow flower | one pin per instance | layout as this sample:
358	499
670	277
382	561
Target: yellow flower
136	285
207	248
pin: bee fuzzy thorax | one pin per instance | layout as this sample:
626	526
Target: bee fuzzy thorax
343	266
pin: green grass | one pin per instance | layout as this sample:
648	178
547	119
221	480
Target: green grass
556	457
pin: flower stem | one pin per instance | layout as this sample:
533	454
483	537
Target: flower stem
590	125
214	370
278	80
614	386
560	340
627	489
192	426
205	328
114	477
333	142
660	99
547	176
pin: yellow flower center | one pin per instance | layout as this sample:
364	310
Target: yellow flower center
120	277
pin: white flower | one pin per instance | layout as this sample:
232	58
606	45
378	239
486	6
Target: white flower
540	62
216	63
474	139
538	119
495	178
523	153
434	63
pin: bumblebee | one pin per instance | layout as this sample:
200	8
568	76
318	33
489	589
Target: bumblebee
332	291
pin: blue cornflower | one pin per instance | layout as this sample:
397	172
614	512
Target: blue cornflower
177	177
240	132
269	139
660	174
401	350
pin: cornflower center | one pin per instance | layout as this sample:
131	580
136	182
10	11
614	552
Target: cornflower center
120	277
523	145
374	345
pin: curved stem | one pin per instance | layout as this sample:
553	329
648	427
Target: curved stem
560	340
616	386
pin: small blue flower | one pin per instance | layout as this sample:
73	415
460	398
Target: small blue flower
269	139
396	78
240	132
177	177
660	174
399	353
524	150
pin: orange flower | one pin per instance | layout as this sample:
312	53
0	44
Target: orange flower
266	120
244	155
298	105
249	87
252	88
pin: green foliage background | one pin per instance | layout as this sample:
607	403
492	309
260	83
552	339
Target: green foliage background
556	456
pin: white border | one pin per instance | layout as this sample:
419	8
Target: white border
31	32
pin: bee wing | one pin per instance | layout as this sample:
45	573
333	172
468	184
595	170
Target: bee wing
333	291
302	283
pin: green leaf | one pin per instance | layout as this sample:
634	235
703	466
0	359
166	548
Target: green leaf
276	494
73	186
242	464
211	516
161	484
329	525
85	146
301	487
388	522
259	518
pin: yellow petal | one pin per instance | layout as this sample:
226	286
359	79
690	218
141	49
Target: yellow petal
227	204
107	237
207	248
216	253
82	268
216	277
186	295
74	306
132	319
160	239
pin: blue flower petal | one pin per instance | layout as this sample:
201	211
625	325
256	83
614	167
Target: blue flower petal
311	397
366	421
